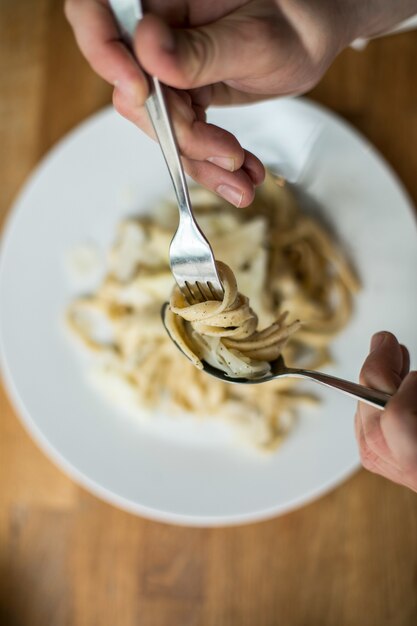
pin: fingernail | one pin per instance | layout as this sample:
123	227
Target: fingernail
231	194
377	340
168	43
226	163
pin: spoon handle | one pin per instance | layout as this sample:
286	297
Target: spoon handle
373	397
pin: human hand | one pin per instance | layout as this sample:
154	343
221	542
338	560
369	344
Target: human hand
222	52
230	52
388	439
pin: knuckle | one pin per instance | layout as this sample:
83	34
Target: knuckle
228	141
181	108
192	168
120	104
128	106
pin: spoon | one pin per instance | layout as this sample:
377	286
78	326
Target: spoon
373	397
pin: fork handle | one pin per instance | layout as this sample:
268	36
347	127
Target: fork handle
373	397
127	14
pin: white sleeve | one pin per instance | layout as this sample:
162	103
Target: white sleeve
409	24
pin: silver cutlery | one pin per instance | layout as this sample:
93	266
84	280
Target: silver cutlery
373	397
191	257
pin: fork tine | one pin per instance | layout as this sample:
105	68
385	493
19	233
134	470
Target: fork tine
199	286
199	291
214	292
204	290
194	292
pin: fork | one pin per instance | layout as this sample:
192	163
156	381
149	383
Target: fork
191	257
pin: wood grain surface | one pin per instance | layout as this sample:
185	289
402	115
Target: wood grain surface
349	559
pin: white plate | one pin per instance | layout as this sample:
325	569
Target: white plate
185	472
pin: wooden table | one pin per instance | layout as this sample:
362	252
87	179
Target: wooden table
349	559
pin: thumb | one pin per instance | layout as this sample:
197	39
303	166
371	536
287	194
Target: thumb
193	57
383	369
384	365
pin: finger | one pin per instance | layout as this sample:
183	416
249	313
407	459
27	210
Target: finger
198	110
185	58
136	114
406	361
197	140
369	458
254	168
376	464
98	38
399	424
235	187
381	370
368	422
202	141
383	366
